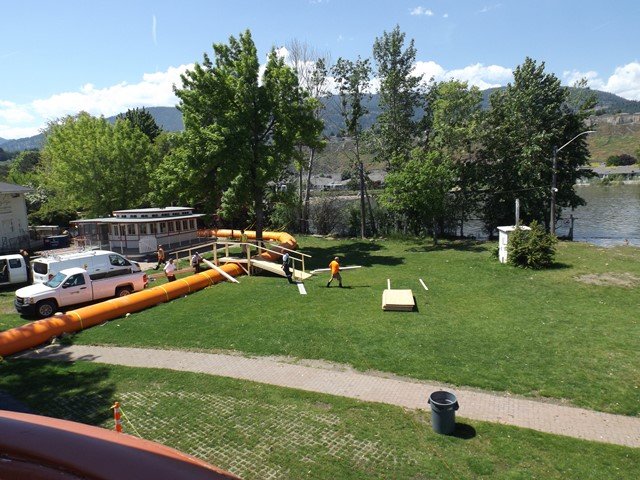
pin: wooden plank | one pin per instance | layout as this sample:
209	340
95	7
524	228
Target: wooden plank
220	271
301	289
318	270
425	287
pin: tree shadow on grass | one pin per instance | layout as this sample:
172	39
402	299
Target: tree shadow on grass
473	246
559	266
353	253
56	389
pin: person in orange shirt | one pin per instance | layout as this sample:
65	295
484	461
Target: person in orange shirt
335	272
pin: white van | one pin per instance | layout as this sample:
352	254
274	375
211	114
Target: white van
98	264
12	269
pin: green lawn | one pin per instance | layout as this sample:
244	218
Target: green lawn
482	324
259	431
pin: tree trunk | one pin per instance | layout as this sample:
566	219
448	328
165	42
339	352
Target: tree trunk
257	206
300	212
305	213
373	220
363	224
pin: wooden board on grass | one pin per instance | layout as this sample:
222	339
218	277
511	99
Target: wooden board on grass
398	300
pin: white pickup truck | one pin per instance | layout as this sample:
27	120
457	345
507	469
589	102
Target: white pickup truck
73	286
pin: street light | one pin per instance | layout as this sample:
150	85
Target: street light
554	180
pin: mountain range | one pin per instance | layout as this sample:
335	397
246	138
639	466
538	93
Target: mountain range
170	118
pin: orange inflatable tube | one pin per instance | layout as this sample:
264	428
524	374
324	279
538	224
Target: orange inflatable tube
35	333
37	448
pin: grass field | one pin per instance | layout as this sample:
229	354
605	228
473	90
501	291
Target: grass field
259	431
557	333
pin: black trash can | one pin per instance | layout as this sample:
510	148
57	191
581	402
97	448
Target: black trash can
443	411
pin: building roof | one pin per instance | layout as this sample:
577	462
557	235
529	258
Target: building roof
154	210
12	188
511	228
121	220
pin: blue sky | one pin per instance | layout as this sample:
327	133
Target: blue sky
59	57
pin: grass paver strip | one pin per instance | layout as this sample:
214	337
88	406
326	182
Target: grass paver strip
259	431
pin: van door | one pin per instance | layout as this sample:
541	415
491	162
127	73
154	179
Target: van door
4	271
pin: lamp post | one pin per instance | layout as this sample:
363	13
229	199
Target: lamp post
554	181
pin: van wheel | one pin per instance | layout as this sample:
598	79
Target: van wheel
123	291
46	308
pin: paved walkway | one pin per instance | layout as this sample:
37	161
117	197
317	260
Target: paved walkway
474	404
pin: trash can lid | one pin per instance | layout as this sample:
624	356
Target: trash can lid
443	399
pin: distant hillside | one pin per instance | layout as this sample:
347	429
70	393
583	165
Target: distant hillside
2	140
27	143
170	118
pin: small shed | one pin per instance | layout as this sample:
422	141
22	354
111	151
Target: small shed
503	240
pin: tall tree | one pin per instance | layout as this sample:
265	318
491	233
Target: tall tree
419	190
92	166
241	129
352	79
453	122
400	97
526	122
142	119
311	68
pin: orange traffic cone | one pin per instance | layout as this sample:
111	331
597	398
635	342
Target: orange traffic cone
116	416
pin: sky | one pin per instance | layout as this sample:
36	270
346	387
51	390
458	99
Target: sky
61	57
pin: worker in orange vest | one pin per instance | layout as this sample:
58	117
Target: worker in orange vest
335	272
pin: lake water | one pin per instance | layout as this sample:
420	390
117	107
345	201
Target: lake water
611	216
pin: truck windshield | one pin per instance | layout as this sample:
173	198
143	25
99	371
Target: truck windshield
57	280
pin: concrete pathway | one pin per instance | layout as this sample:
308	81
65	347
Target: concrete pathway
474	404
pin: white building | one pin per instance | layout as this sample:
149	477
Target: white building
14	226
141	230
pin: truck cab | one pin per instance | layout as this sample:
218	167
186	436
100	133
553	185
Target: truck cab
13	270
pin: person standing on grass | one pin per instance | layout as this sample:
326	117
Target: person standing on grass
196	259
170	270
286	266
243	240
335	272
161	257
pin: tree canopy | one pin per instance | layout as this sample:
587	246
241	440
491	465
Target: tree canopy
240	127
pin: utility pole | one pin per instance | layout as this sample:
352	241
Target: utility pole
554	181
554	189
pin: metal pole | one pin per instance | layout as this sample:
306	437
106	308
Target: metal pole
554	189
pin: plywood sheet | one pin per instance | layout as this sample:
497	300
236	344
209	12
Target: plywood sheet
401	300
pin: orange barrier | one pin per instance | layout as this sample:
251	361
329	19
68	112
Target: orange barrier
37	447
116	417
35	333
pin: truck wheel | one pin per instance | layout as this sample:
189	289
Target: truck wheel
46	308
123	291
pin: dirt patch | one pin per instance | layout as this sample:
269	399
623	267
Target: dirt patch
610	279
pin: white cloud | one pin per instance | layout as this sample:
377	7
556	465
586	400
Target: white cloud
446	15
155	89
10	112
572	76
428	70
421	11
476	75
488	8
624	82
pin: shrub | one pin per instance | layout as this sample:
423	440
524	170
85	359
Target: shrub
620	160
531	248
